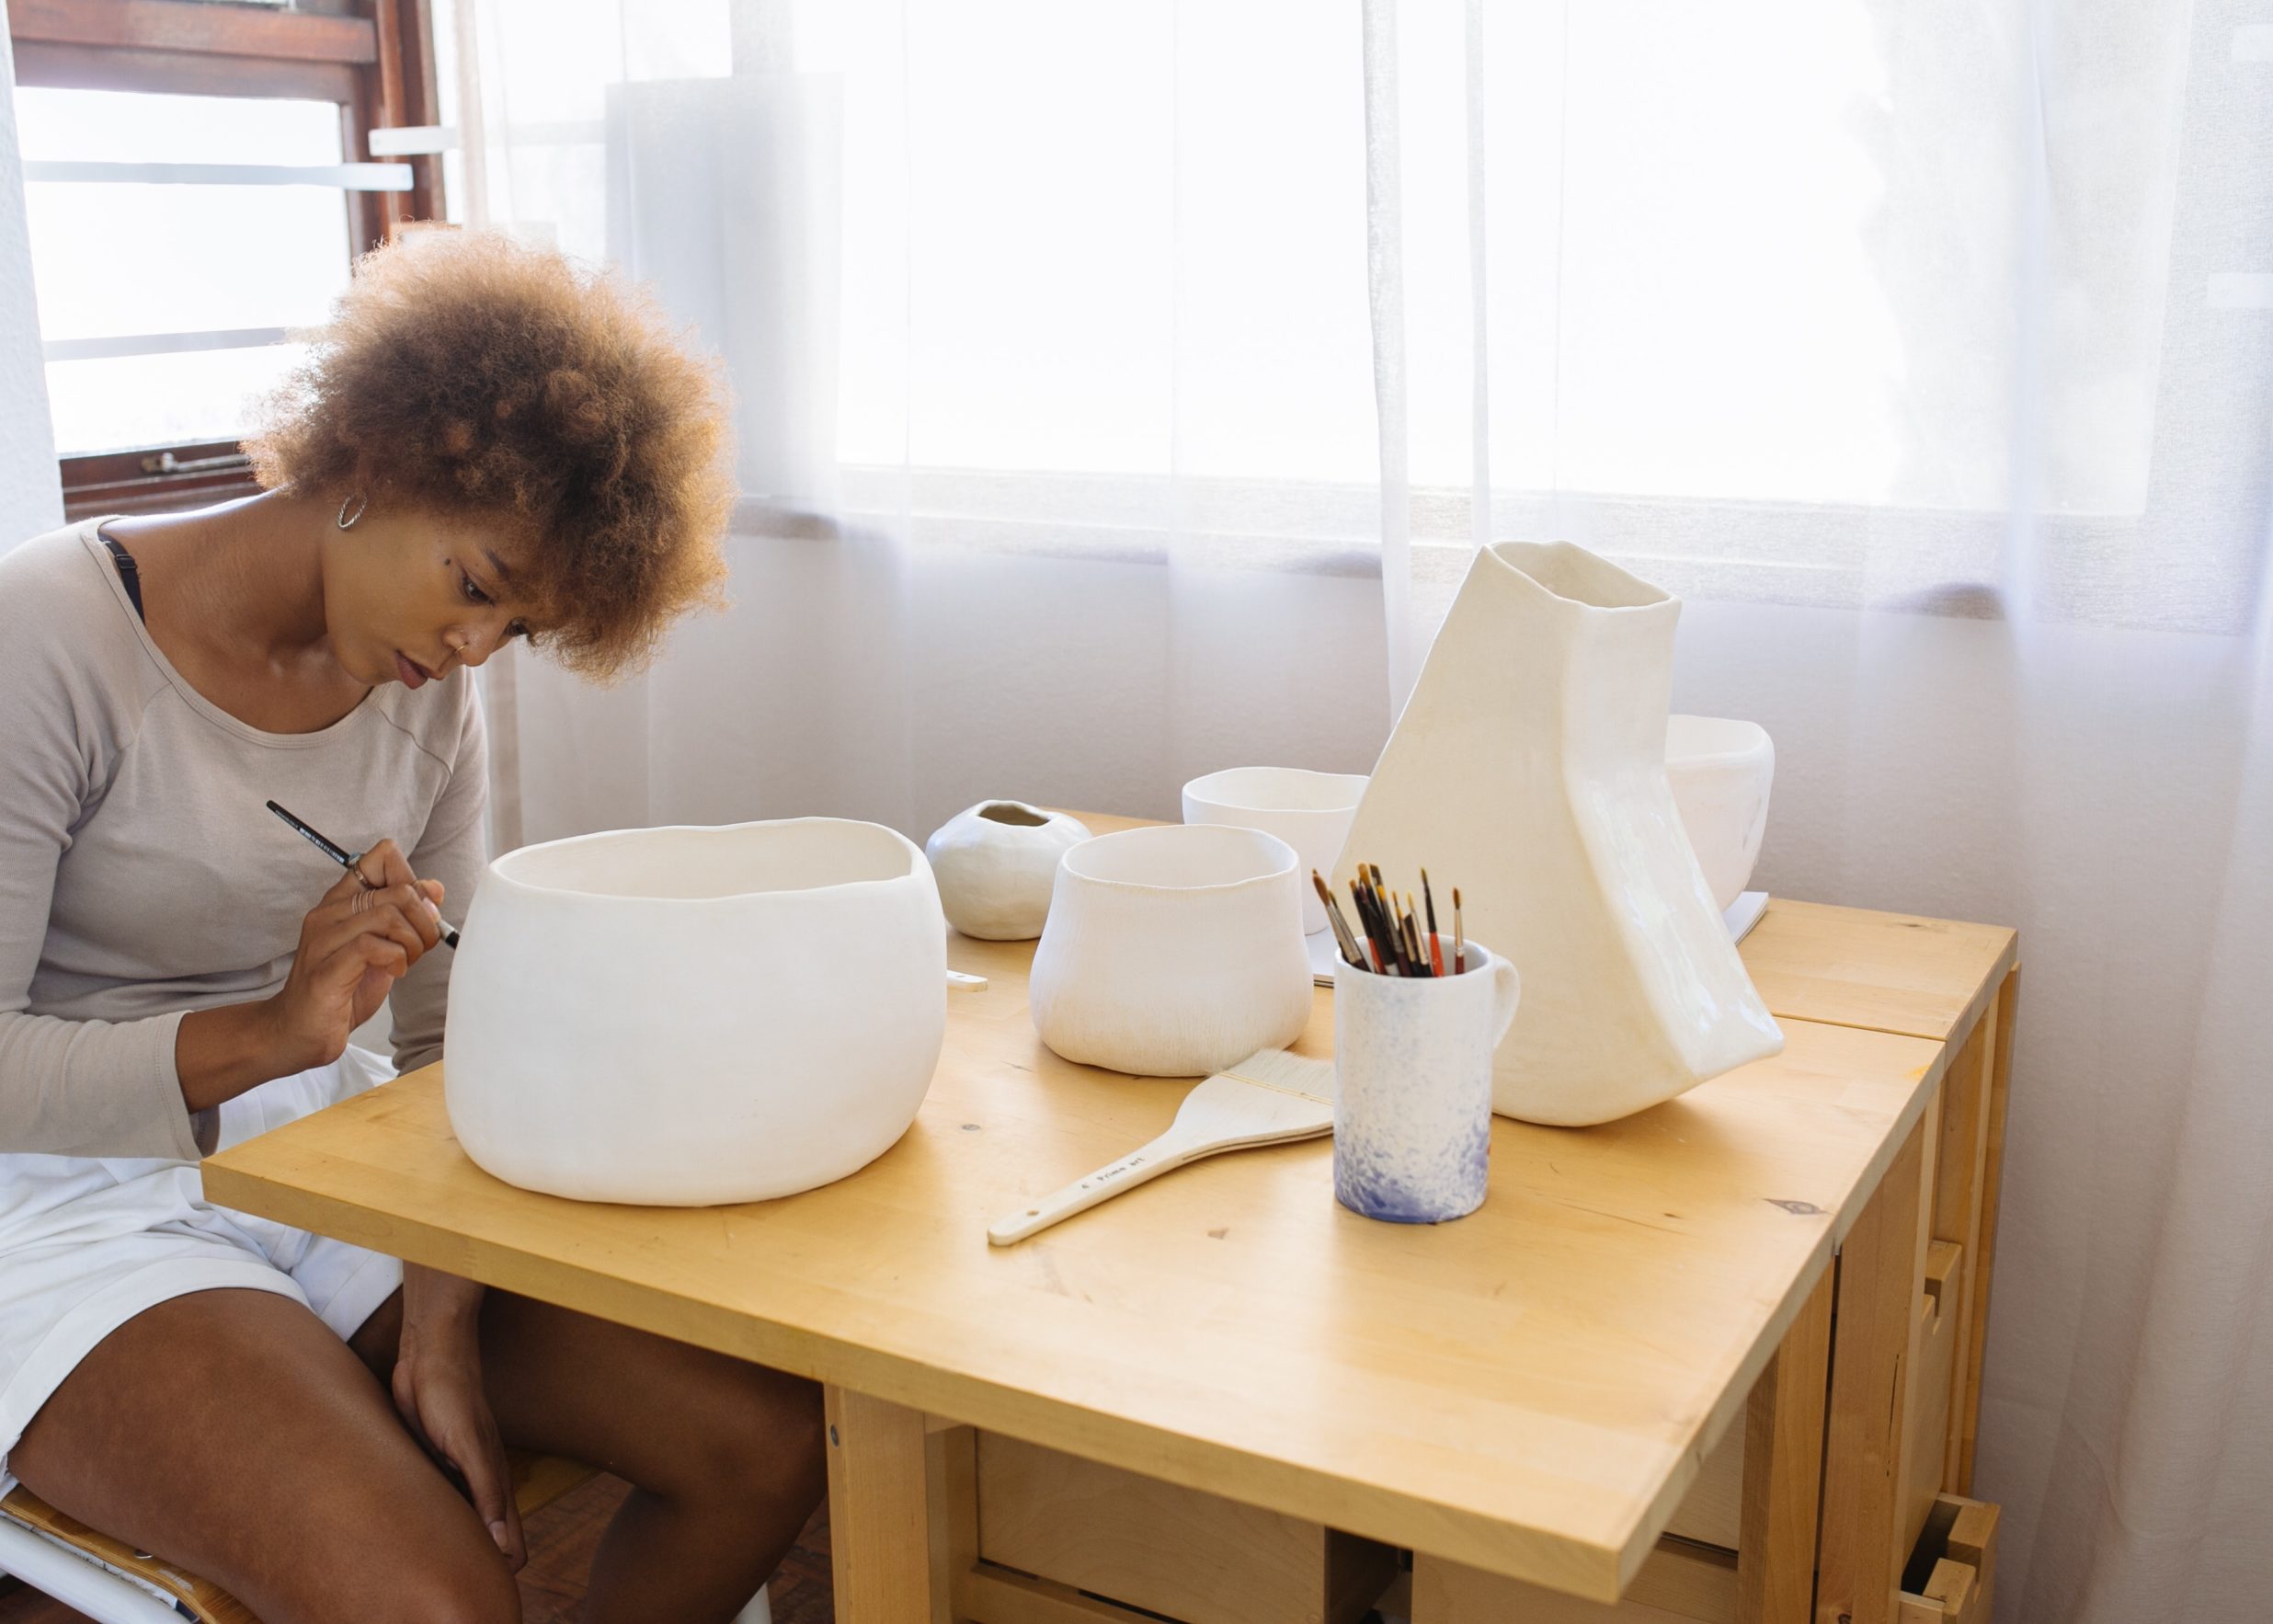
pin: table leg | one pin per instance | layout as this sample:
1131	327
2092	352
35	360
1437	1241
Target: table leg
1881	1271
1783	1471
879	1511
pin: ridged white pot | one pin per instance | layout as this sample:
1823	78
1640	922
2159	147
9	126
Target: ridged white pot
996	864
1310	811
688	1016
1721	771
1528	769
1173	952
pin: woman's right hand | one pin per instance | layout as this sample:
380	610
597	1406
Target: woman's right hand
354	945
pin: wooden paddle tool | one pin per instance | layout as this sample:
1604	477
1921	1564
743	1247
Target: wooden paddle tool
1269	1098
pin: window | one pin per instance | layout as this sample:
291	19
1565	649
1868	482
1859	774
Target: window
197	183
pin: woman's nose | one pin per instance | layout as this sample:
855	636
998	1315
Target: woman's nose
472	649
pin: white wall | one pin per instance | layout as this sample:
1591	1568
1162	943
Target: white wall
32	497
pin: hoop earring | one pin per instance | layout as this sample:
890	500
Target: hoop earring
347	520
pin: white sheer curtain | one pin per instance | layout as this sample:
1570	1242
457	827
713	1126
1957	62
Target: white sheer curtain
1925	349
1122	388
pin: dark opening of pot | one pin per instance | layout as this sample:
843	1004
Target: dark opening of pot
1010	812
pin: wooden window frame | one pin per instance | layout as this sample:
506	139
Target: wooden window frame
374	58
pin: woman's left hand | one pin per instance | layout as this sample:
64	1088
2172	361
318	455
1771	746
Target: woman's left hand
438	1389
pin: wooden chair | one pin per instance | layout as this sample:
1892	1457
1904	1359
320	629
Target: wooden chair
114	1583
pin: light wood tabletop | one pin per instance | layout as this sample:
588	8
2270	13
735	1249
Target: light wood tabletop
1529	1390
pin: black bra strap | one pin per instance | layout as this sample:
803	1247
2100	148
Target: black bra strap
129	575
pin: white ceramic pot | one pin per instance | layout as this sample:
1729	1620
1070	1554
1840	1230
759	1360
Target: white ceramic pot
1310	811
687	1016
1172	950
1721	772
996	863
1528	769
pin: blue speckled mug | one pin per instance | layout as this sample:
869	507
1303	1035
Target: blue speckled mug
1412	1106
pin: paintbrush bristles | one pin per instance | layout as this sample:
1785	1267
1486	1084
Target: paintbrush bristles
1396	934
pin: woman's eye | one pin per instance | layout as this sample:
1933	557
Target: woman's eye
472	593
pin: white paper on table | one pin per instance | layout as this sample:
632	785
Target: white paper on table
1744	913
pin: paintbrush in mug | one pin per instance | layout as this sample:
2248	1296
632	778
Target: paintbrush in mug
1384	914
352	862
1369	917
1343	942
1386	946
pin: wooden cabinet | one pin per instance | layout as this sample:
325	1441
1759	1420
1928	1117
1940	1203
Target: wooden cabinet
1894	1542
1172	1552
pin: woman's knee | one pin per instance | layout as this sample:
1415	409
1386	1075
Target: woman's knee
463	1585
757	1437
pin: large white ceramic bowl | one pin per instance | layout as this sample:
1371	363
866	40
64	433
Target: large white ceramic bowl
688	1016
1310	811
1721	772
1172	950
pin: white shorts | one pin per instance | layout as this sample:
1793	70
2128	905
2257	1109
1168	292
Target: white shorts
87	1243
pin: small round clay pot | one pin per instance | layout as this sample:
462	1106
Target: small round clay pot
996	863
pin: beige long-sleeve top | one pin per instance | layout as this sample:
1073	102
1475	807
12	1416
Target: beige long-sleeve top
141	874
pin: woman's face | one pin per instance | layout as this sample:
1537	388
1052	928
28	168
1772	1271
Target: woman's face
409	596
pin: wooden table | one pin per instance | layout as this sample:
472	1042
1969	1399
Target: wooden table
1528	1392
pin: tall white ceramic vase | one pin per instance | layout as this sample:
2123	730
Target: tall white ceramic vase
1528	769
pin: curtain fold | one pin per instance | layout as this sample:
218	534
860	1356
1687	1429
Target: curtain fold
1122	391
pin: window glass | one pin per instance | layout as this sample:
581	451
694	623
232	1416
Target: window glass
120	403
114	259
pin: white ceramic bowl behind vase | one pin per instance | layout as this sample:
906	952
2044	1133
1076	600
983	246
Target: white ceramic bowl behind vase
688	1016
1310	811
1172	950
1721	773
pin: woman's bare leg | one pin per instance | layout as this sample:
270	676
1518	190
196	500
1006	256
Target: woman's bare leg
725	1458
232	1433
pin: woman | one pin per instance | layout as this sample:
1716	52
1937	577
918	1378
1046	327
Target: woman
482	445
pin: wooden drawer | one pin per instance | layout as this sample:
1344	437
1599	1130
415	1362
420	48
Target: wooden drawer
1679	1583
1952	1575
1951	1579
1171	1551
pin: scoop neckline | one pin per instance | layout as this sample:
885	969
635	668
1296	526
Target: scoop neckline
93	540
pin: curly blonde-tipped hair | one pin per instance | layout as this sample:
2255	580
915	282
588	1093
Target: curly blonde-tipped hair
464	374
